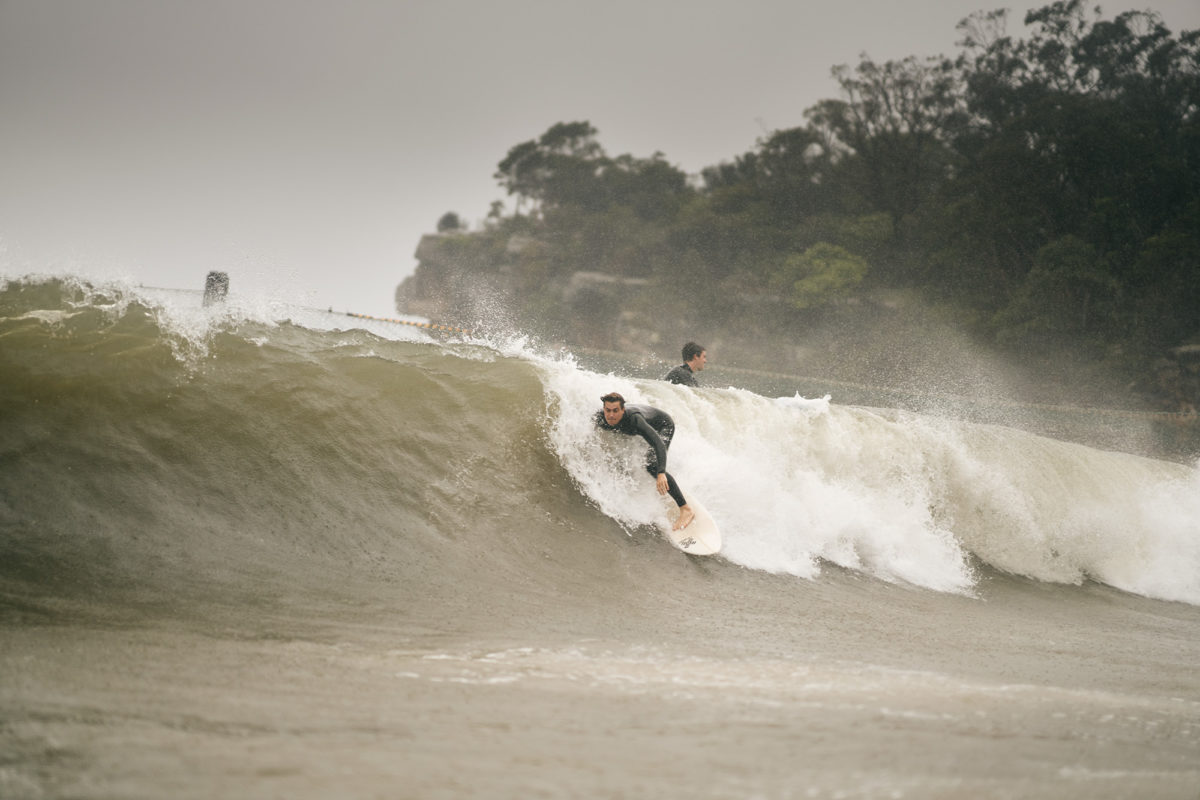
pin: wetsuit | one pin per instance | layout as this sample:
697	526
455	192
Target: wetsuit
657	428
682	375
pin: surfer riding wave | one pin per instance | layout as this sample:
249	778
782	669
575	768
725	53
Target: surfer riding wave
656	427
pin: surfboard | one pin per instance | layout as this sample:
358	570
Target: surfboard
700	538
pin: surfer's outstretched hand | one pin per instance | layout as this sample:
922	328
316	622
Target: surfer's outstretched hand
686	515
661	481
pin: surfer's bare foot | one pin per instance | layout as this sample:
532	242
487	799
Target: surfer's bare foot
686	515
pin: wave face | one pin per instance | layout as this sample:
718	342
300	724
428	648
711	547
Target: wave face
155	452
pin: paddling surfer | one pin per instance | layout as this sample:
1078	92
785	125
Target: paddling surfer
694	359
656	427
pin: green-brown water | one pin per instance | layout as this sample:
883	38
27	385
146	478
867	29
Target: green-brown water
248	557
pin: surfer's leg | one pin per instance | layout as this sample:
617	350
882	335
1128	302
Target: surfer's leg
686	515
673	490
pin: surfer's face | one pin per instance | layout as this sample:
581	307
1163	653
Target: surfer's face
613	413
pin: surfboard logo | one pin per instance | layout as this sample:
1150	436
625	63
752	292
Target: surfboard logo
688	542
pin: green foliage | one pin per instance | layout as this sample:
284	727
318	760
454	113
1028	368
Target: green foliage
868	235
567	168
1084	135
822	275
1048	185
892	129
1166	298
791	174
1068	295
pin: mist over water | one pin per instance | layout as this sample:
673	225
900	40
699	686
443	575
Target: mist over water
383	516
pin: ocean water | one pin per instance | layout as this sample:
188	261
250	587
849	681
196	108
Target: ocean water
254	550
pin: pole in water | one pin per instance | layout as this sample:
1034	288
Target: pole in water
216	286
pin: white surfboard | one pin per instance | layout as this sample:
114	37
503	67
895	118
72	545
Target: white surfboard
700	538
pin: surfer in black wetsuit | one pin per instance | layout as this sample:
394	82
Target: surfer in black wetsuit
657	428
694	359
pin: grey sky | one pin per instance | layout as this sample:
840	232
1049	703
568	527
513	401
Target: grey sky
306	146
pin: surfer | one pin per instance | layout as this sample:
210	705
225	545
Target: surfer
656	427
694	359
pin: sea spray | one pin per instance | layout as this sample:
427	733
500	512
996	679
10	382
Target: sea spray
796	482
775	475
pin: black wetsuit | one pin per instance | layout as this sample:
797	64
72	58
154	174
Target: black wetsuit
657	428
682	375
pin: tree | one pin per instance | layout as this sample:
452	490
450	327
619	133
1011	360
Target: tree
792	169
1067	295
1086	131
1166	296
1043	188
559	167
821	275
891	129
651	187
449	222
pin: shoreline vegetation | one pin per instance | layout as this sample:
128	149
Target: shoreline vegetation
1021	219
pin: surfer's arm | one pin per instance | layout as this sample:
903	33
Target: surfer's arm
650	435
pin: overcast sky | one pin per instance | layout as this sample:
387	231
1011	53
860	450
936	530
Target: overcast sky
304	147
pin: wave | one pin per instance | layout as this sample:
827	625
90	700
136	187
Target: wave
795	483
152	447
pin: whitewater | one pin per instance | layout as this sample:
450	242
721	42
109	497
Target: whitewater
260	550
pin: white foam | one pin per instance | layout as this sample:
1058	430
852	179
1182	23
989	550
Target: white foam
1063	512
795	482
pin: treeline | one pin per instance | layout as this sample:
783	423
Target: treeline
1044	189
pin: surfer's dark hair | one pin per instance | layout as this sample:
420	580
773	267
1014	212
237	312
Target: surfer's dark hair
691	350
613	397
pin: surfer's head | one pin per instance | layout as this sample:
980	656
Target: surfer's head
614	408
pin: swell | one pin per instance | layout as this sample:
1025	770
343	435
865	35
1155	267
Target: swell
266	460
245	460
